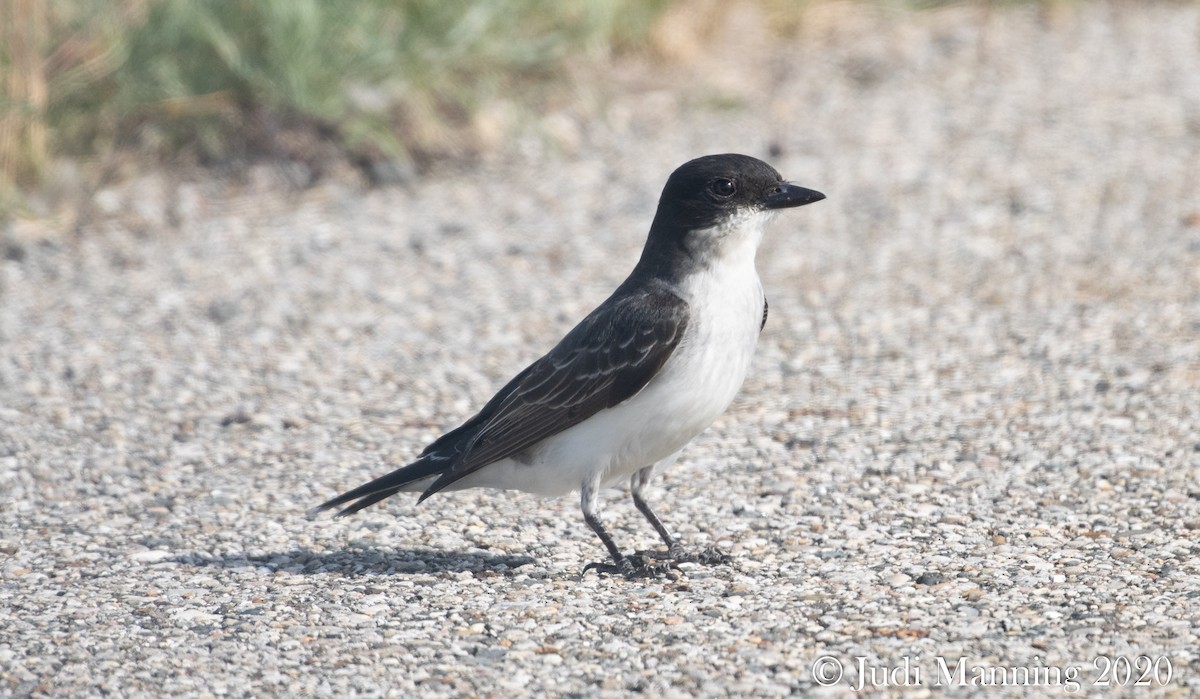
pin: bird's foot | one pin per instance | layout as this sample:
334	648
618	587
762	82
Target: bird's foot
704	556
635	567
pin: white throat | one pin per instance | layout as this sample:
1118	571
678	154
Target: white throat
730	247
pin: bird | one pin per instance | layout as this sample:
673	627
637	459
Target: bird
638	378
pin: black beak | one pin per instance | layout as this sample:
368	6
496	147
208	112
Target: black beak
786	195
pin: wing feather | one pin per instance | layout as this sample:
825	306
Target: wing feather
607	359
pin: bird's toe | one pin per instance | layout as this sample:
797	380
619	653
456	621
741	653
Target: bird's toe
635	567
705	556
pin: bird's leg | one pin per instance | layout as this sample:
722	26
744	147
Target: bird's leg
634	566
679	553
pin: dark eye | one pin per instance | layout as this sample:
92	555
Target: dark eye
723	187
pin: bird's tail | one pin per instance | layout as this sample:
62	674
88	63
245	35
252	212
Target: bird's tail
383	487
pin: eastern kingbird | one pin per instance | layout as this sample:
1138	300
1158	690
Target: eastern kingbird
639	377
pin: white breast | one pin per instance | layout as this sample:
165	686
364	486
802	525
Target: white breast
702	376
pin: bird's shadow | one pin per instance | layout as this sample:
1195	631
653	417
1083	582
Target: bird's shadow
364	561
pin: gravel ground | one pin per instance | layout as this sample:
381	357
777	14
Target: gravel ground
971	435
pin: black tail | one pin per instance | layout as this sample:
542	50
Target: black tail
383	487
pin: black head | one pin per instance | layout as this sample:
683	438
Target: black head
704	192
716	191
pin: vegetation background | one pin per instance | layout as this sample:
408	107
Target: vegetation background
387	86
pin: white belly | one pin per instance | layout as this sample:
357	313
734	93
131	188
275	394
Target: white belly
695	386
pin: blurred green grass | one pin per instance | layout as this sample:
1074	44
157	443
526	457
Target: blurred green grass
222	79
225	81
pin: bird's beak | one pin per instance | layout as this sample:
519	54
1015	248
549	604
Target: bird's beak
786	195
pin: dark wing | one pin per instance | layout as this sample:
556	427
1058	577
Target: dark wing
763	324
604	360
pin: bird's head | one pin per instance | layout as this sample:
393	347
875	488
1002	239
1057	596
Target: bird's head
716	202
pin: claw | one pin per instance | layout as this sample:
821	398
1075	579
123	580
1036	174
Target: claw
704	556
634	567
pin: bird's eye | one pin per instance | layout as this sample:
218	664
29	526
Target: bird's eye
723	187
